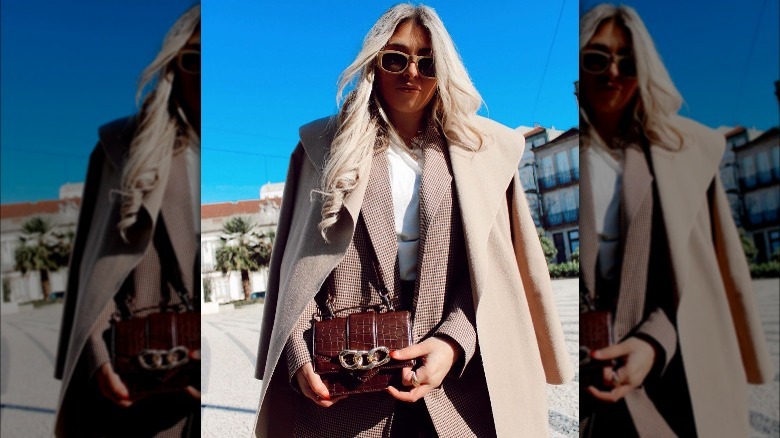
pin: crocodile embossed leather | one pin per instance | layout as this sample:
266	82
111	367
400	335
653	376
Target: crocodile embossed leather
595	334
352	354
151	354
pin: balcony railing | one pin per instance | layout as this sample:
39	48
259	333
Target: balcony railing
760	179
762	218
561	218
547	182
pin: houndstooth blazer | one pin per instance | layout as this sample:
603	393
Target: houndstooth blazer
520	344
440	305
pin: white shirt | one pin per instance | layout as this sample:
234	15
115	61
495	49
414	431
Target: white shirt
606	182
405	175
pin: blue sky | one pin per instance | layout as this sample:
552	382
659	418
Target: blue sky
286	60
68	67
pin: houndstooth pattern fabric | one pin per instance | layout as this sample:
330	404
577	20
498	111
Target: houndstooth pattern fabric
441	305
146	296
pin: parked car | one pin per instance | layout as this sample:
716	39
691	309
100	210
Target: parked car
57	295
257	295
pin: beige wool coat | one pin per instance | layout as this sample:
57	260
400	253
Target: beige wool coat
101	261
519	331
717	327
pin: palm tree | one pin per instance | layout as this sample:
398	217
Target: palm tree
42	250
243	250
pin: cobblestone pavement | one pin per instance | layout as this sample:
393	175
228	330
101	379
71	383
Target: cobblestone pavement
230	393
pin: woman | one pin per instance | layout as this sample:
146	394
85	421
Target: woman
408	191
659	250
136	246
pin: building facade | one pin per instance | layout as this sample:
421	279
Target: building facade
550	174
219	288
62	214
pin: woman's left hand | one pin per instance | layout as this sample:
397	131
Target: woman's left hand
638	357
437	356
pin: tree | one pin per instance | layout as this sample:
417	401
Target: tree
548	247
748	246
243	250
43	250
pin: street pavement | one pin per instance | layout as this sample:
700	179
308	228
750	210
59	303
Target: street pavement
230	393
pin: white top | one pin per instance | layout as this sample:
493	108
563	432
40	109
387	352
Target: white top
405	175
606	181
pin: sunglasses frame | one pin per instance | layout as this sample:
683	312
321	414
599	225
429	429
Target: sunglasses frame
414	59
180	64
611	57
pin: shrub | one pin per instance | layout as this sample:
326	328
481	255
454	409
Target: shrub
564	270
765	270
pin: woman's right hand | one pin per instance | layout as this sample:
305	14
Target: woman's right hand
112	387
312	387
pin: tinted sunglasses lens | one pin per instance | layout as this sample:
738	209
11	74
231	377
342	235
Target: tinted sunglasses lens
595	62
393	62
426	67
627	67
190	62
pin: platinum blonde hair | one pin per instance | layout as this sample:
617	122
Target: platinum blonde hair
658	100
163	128
363	125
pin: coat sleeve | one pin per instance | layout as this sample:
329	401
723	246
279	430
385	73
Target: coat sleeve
735	273
274	269
558	367
88	201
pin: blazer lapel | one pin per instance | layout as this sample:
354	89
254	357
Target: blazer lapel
637	215
588	239
177	213
377	213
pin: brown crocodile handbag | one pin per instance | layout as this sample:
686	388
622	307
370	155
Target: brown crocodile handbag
153	354
351	353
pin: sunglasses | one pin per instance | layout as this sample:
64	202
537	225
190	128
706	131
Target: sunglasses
188	61
597	62
396	62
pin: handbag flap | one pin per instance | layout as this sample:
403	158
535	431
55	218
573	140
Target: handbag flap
362	332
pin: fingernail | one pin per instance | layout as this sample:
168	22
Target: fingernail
326	397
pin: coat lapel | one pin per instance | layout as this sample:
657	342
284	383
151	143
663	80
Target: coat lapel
482	179
682	178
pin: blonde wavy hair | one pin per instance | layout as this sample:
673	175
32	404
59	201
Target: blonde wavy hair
163	128
658	100
363	125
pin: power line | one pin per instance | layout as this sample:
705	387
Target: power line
547	62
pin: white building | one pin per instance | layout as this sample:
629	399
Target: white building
62	214
225	288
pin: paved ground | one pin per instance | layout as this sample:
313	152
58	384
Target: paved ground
230	393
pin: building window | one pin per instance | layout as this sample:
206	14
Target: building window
774	242
748	171
574	154
776	162
574	240
562	163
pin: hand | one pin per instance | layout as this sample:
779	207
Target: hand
312	387
111	386
437	355
638	357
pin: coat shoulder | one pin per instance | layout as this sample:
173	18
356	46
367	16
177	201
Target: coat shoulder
316	138
116	136
697	135
503	142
